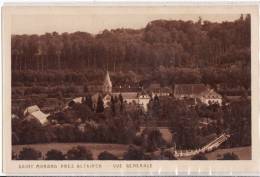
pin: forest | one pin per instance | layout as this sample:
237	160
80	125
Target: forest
164	51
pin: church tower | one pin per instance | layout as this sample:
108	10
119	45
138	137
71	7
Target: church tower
107	85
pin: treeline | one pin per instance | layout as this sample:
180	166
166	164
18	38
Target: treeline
162	42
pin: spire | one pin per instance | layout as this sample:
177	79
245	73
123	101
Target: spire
107	86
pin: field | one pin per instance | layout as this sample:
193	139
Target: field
244	153
96	149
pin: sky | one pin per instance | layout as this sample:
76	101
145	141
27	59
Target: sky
95	23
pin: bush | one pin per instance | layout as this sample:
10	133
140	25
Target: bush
106	156
138	140
29	154
199	156
79	153
55	155
229	156
167	155
134	154
154	139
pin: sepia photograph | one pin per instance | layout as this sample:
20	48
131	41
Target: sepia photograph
152	86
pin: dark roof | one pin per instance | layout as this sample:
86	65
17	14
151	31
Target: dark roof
154	86
189	89
127	89
127	95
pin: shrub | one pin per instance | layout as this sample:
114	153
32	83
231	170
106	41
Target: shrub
134	154
229	156
55	155
79	153
106	156
167	155
154	139
29	154
199	156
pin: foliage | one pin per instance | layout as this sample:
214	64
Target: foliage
55	155
100	105
28	153
199	156
152	139
106	156
165	51
229	156
134	153
167	155
79	153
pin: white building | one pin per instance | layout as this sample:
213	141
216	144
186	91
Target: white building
210	97
35	112
199	92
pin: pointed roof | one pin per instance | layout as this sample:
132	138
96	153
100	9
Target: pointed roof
107	80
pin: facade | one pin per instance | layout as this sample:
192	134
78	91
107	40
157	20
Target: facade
197	92
210	97
135	98
156	89
35	112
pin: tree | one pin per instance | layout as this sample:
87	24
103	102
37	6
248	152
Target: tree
199	156
28	153
156	106
121	100
55	155
167	155
88	101
79	153
153	139
120	97
113	107
134	154
31	131
229	156
106	156
100	105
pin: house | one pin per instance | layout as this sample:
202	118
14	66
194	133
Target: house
144	100
198	92
210	97
35	112
106	100
134	98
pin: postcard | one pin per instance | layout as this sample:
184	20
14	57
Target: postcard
131	89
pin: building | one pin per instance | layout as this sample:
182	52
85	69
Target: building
210	97
35	112
131	95
156	89
198	92
134	98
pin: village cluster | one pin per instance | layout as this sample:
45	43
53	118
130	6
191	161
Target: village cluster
192	93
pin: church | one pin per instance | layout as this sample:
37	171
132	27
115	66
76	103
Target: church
129	96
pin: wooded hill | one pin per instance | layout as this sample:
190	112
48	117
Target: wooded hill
199	51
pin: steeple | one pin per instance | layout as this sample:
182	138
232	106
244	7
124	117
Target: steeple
107	85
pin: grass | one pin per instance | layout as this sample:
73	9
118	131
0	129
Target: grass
244	153
95	148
